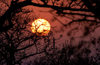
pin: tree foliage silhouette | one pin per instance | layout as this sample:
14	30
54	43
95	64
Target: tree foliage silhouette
15	4
69	55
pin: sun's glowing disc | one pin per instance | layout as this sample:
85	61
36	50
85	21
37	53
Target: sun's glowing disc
40	27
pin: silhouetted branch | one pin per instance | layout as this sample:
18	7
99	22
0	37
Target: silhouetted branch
96	10
28	56
25	3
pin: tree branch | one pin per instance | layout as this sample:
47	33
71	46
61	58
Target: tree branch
29	56
25	3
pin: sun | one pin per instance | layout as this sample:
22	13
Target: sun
40	27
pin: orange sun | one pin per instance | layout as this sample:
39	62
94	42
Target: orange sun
40	27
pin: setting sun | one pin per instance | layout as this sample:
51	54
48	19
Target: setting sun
40	27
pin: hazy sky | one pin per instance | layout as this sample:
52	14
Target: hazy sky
72	33
75	29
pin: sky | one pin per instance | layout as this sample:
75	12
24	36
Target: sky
72	33
75	29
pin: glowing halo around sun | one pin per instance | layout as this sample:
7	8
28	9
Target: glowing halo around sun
40	27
